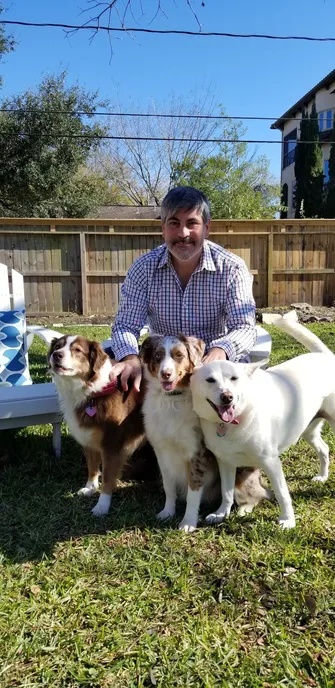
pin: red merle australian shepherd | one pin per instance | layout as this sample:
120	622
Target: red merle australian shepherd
106	422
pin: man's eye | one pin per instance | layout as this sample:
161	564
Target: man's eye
210	379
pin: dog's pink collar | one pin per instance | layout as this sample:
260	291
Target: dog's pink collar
91	408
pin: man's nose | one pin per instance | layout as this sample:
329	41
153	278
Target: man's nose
183	231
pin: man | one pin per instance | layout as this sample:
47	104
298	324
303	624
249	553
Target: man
189	285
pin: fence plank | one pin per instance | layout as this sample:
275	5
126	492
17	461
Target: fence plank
85	309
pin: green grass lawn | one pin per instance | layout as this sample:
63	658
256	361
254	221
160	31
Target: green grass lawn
126	602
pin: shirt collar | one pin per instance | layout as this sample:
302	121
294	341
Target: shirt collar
206	260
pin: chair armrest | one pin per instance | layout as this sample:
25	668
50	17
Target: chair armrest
42	332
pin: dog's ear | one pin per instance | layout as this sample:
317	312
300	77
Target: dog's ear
196	349
96	357
250	368
147	347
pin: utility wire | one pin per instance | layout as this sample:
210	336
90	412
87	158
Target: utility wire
92	113
126	29
56	135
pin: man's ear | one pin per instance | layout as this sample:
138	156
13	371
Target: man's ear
96	356
195	347
250	368
147	347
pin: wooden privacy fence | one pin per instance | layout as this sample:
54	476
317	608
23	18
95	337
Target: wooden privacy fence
79	265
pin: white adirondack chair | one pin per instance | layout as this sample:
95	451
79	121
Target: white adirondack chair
33	404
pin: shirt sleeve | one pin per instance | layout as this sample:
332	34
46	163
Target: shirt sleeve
240	316
132	311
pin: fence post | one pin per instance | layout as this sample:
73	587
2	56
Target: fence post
270	268
83	270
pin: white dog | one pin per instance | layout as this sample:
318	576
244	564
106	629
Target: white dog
250	416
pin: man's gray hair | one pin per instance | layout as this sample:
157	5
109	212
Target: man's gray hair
186	197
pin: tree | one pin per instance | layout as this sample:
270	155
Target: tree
7	43
145	169
237	187
44	145
330	192
309	168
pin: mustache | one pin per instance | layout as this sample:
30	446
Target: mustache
183	241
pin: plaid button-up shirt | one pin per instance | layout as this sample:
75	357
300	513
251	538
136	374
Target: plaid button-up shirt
216	305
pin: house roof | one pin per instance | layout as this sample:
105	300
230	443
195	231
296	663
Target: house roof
127	212
324	83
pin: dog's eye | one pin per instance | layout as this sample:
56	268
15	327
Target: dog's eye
158	357
210	379
77	350
234	378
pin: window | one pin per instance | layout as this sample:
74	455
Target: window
284	201
290	143
326	120
294	187
326	171
329	120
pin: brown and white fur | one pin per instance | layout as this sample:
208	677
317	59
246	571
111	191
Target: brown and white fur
80	368
173	429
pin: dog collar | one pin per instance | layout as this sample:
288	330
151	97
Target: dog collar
221	428
91	408
175	393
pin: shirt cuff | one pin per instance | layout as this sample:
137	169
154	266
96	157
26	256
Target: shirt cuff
228	347
126	350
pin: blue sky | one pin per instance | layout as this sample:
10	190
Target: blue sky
248	77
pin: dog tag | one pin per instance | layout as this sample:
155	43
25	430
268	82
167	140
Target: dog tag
91	409
220	430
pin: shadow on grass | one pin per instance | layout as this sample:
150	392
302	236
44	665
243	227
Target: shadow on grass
39	505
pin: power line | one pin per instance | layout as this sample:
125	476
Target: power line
92	113
126	29
56	135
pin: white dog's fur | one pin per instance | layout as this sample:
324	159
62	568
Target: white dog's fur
272	409
173	429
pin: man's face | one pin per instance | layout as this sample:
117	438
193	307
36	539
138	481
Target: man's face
184	234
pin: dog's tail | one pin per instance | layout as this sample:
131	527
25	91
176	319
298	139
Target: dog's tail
289	324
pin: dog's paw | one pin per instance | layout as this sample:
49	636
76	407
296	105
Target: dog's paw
165	514
245	509
87	491
286	523
187	527
217	517
102	506
319	478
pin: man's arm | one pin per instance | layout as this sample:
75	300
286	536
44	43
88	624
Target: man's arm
240	317
129	320
132	312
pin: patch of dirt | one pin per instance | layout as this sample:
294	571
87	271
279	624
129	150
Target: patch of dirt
306	313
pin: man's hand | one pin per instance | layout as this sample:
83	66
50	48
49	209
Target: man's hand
128	368
215	354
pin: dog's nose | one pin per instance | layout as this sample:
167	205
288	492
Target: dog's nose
166	374
226	398
57	356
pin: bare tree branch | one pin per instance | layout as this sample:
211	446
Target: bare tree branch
151	165
121	9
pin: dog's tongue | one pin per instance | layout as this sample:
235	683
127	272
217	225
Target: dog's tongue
227	414
169	386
